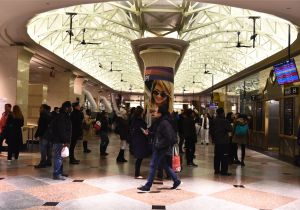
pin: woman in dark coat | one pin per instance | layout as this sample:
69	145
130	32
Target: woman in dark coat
13	132
123	125
140	143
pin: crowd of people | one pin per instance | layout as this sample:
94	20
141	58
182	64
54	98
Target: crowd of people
70	123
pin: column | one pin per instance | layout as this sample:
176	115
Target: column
14	77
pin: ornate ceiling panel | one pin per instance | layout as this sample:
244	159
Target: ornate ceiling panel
101	34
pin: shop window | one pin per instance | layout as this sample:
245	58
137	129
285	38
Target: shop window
288	116
259	116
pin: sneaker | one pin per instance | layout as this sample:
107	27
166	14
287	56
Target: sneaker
144	188
176	184
74	162
192	165
139	177
207	143
59	178
40	166
226	174
121	160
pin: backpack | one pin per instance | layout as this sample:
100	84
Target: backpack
241	130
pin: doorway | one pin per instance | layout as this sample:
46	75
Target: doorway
273	127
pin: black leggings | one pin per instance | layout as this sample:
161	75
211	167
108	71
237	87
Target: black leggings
138	164
235	151
243	148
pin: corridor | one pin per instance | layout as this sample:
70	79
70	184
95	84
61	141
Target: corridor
264	183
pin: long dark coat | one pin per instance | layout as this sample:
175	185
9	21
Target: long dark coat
13	131
123	125
77	120
141	145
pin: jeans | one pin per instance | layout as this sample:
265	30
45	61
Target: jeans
46	151
159	157
104	142
160	172
58	160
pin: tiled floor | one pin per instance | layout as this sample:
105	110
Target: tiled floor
265	183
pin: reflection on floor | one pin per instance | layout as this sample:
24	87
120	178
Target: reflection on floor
265	183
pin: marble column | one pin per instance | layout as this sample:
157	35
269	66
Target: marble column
14	77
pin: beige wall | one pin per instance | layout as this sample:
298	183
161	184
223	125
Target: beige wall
37	95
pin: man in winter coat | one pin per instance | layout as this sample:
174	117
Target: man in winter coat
45	144
220	129
61	136
164	140
77	121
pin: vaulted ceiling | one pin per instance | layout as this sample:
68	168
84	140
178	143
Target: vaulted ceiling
108	28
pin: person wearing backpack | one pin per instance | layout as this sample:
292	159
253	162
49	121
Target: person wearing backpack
241	135
164	140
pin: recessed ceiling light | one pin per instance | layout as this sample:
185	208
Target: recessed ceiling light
40	67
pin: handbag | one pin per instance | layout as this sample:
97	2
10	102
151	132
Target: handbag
176	160
65	152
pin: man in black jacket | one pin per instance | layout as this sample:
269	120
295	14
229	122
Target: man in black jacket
164	140
220	129
77	120
62	131
190	136
45	144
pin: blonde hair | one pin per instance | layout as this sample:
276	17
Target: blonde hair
17	113
168	87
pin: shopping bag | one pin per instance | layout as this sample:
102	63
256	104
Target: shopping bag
65	152
176	160
97	125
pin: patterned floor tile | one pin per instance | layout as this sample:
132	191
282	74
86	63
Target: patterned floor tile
290	206
18	200
5	187
253	198
23	182
201	186
279	188
115	183
159	195
108	201
44	208
204	202
64	191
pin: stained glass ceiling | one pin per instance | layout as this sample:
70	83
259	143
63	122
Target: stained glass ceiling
108	29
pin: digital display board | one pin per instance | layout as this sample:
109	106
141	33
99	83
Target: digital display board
286	72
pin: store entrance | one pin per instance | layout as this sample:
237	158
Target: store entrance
273	127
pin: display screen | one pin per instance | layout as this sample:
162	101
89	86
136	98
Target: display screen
286	72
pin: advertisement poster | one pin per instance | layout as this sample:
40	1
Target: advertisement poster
159	88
